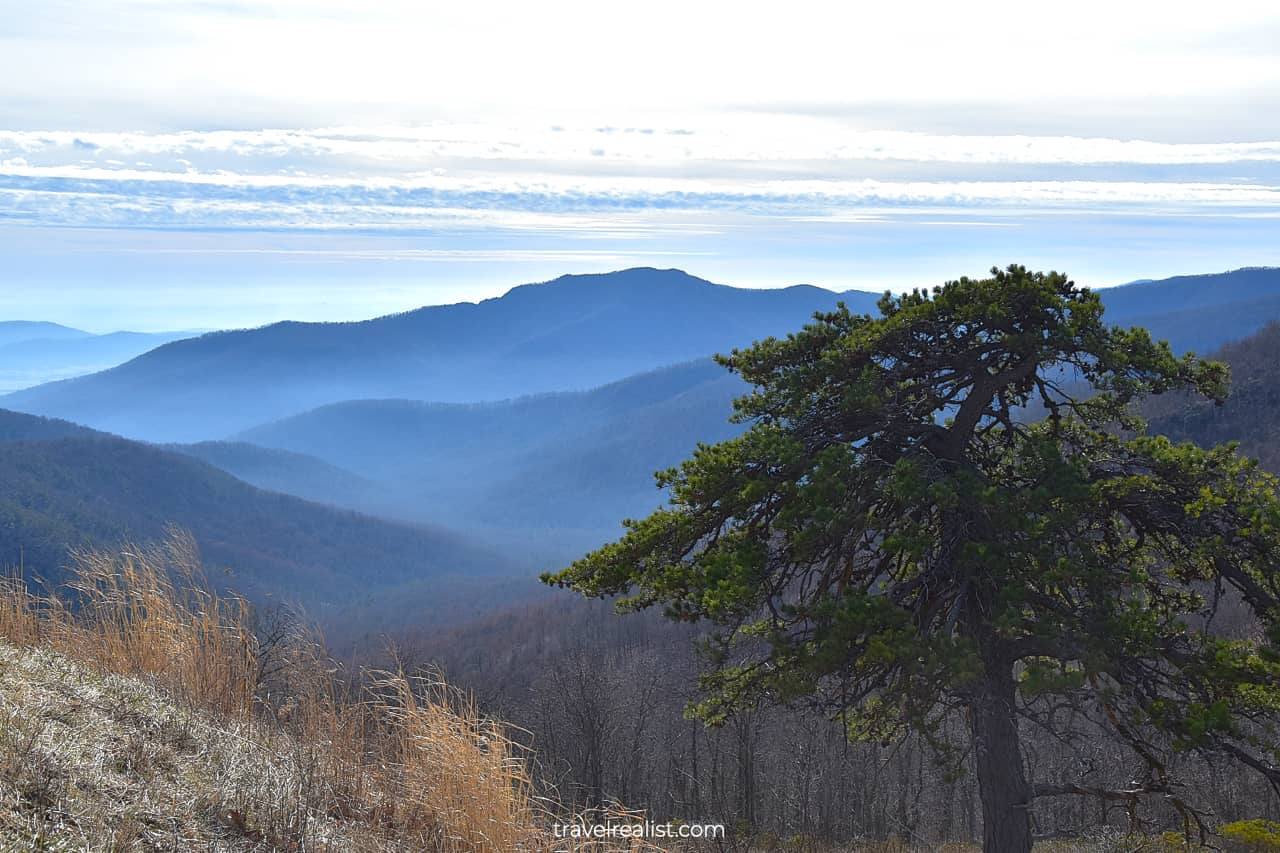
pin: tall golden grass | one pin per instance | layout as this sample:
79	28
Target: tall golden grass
410	760
148	611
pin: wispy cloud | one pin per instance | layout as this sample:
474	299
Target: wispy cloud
450	176
297	152
737	138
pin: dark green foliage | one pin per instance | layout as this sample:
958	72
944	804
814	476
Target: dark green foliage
888	542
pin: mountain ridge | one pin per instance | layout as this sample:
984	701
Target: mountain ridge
39	357
623	323
15	331
70	488
573	332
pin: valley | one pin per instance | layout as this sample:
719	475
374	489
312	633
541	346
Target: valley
401	483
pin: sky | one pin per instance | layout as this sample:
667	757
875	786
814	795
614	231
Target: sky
179	164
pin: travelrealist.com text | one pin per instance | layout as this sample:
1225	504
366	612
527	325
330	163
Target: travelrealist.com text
607	831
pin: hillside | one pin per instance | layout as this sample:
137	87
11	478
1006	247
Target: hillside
1251	414
15	426
391	439
102	761
1199	312
575	332
1183	292
600	475
66	492
287	472
523	469
153	713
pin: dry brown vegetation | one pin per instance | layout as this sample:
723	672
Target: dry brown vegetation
139	709
142	710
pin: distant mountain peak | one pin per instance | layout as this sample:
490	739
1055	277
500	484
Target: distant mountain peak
570	333
631	273
631	278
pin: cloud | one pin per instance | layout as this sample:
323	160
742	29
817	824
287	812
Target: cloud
122	197
718	139
835	140
451	176
146	63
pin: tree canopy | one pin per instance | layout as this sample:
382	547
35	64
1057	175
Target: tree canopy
892	540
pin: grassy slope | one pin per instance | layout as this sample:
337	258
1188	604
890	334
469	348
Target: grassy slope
98	761
156	715
95	761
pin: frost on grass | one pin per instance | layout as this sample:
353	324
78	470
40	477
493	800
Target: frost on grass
96	762
140	710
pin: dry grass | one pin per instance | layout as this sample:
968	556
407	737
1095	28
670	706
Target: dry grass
139	710
134	716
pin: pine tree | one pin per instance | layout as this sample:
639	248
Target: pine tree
891	540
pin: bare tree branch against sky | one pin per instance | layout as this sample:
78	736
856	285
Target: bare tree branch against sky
189	164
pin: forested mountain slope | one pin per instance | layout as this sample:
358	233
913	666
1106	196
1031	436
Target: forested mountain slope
74	490
580	460
1199	312
1251	414
287	472
15	426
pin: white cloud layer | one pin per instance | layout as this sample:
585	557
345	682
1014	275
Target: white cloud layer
282	153
741	138
159	63
450	175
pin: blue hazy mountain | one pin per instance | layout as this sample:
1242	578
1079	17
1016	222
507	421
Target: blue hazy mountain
35	353
267	468
66	487
573	460
288	472
584	460
410	439
15	331
545	473
1199	312
604	473
15	426
575	332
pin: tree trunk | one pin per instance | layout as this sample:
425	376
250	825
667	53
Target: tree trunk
1002	782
